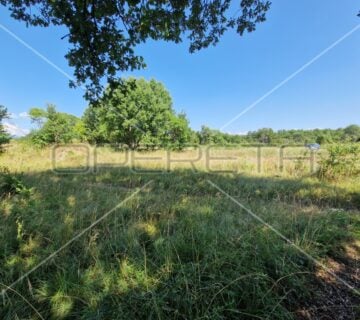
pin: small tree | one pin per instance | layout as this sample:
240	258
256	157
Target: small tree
352	133
134	112
323	138
54	127
342	160
264	135
94	128
178	133
38	116
4	136
205	135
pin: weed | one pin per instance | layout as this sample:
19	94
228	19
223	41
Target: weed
178	250
10	184
343	160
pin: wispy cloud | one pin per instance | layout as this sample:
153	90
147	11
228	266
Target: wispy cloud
13	115
24	115
15	130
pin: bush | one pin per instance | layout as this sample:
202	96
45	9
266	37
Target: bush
10	184
342	161
54	126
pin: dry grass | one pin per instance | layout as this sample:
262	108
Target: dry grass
268	161
180	249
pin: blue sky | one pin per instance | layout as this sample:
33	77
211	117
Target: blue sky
214	85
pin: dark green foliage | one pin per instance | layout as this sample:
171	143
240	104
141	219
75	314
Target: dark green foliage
136	112
210	136
264	135
104	33
4	136
10	184
267	136
178	132
342	160
352	132
54	127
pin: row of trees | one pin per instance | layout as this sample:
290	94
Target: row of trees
136	113
131	112
281	137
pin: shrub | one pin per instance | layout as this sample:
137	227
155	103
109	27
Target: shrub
342	160
10	184
54	126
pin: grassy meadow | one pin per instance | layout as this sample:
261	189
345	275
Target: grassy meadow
179	248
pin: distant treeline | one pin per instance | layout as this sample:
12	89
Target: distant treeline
281	137
137	113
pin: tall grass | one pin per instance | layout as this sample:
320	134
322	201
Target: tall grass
179	249
343	160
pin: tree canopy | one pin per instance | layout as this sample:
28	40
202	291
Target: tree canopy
54	126
138	113
267	136
4	136
134	112
103	34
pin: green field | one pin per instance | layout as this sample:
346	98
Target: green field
141	240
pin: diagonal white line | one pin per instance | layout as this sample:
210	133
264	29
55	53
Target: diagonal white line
311	258
33	50
41	56
75	237
290	77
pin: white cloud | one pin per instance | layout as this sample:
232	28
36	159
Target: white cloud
15	130
24	115
13	115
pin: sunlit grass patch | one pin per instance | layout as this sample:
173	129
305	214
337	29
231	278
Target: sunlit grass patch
180	249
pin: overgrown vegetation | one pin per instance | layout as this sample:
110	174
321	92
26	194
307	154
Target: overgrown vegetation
4	136
54	127
256	243
342	160
11	184
267	136
136	113
179	249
